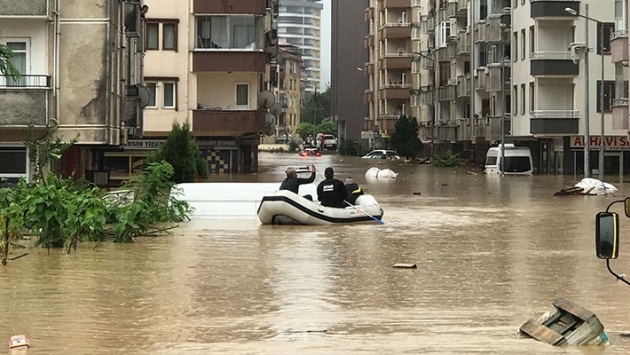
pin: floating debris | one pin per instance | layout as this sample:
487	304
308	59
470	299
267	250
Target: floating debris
405	266
18	342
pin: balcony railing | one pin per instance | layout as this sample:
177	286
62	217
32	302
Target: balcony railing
396	86
25	81
620	33
554	55
560	114
396	55
620	102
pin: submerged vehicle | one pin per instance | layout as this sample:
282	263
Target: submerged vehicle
518	160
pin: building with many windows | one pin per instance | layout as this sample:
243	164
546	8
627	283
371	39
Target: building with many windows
81	74
208	68
286	81
300	24
483	70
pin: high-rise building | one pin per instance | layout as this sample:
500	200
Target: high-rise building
299	24
388	67
348	55
81	70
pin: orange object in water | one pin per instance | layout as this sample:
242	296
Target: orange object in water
19	342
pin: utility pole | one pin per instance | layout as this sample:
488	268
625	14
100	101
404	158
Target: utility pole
587	108
315	107
503	106
602	143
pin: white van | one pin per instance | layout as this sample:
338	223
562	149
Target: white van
518	160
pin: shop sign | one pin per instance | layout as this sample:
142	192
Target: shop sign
143	144
610	142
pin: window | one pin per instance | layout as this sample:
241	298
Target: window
152	87
169	95
621	84
169	34
242	96
515	54
229	32
522	99
13	163
609	94
607	29
523	44
444	34
19	47
531	97
531	40
515	89
152	36
621	17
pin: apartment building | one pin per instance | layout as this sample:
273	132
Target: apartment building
388	67
207	62
81	72
288	88
300	24
348	55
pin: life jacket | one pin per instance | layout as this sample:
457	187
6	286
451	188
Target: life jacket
354	191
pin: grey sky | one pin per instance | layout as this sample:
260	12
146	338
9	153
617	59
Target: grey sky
326	40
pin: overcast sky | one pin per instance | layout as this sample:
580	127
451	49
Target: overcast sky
326	33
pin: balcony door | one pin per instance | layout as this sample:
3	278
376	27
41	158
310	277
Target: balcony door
19	47
242	96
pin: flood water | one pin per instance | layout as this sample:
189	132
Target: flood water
491	253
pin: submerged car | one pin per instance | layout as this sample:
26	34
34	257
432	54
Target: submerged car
310	152
381	154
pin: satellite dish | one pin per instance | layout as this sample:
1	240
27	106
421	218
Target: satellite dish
266	99
269	119
275	109
143	95
270	130
272	52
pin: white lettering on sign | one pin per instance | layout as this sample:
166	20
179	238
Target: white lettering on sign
610	142
328	188
143	144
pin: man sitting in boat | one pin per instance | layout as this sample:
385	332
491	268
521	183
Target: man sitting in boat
331	192
292	182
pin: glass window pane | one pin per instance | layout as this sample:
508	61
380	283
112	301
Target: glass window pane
242	95
152	36
152	94
12	161
169	95
169	35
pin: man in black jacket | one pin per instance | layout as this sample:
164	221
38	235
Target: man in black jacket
292	182
331	191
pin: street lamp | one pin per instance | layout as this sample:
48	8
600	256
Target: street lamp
435	81
602	144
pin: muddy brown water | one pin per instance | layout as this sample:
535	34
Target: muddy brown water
491	253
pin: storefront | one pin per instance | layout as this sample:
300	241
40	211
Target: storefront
616	155
122	165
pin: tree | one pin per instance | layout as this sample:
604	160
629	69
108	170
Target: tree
316	107
326	127
181	151
405	139
6	67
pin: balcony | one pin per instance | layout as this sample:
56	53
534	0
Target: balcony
550	63
368	125
368	96
619	46
463	43
451	8
368	68
552	9
496	26
493	128
394	4
401	60
224	61
394	92
494	80
428	24
24	101
229	7
463	86
480	83
480	31
447	93
441	54
369	13
227	123
395	30
426	98
22	8
620	113
447	132
368	42
387	122
554	122
451	50
462	8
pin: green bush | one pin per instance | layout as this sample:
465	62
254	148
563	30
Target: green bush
351	148
447	159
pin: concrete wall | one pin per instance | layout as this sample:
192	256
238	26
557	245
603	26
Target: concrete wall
219	89
23	8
